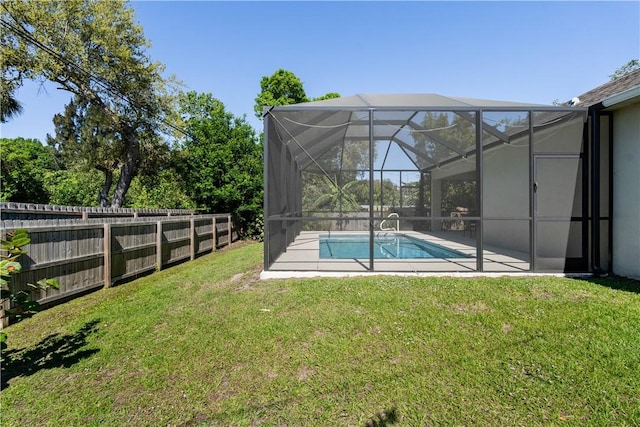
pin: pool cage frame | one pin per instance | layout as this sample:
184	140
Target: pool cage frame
294	146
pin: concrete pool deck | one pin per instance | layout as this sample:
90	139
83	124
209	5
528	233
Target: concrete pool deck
302	259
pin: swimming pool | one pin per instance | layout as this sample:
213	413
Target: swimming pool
385	246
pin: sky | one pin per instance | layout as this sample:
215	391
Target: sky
533	52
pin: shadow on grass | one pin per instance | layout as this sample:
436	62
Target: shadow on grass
382	419
54	351
616	282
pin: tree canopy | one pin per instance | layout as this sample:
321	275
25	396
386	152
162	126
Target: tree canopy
23	167
222	161
95	51
630	66
282	88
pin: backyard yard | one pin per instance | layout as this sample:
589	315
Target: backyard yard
208	343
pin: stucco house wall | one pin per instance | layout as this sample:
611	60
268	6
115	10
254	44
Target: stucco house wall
626	193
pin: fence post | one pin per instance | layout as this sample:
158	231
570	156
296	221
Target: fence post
215	236
159	246
107	254
193	238
229	225
5	320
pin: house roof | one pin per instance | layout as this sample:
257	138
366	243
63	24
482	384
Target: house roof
621	84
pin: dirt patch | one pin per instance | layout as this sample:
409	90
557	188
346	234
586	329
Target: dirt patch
305	372
219	393
247	281
476	307
236	277
375	330
542	294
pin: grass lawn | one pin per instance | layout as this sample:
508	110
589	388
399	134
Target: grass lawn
207	343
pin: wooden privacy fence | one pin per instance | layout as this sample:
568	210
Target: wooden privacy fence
84	255
17	210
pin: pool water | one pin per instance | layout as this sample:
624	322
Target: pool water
385	246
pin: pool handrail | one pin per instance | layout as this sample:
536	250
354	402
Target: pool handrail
391	215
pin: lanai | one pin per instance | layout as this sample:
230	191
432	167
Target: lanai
501	182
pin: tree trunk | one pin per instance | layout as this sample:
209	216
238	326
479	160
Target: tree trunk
128	169
104	194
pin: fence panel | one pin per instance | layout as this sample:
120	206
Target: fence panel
133	250
76	253
203	229
175	241
72	255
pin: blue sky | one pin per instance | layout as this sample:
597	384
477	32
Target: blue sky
532	52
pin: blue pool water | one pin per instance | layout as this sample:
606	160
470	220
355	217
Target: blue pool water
385	246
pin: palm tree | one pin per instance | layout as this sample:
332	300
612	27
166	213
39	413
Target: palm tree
9	105
337	198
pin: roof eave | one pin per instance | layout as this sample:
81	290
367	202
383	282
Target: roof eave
622	99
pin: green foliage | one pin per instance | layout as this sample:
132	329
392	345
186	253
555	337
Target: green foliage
460	193
329	95
21	304
166	190
282	88
222	161
9	105
630	66
23	164
33	173
73	187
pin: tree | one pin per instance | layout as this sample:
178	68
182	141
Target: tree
23	165
282	88
165	190
329	95
9	105
630	66
94	50
84	140
72	187
222	161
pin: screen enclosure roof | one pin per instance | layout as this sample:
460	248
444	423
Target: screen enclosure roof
310	129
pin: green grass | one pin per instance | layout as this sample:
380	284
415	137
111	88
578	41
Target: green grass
206	343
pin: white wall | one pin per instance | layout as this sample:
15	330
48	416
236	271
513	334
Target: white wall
505	193
626	191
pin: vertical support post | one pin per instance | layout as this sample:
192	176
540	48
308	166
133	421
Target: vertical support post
371	178
106	248
159	246
479	183
214	238
266	172
595	191
400	191
382	194
610	201
436	203
229	230
5	320
192	238
85	215
585	161
532	199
